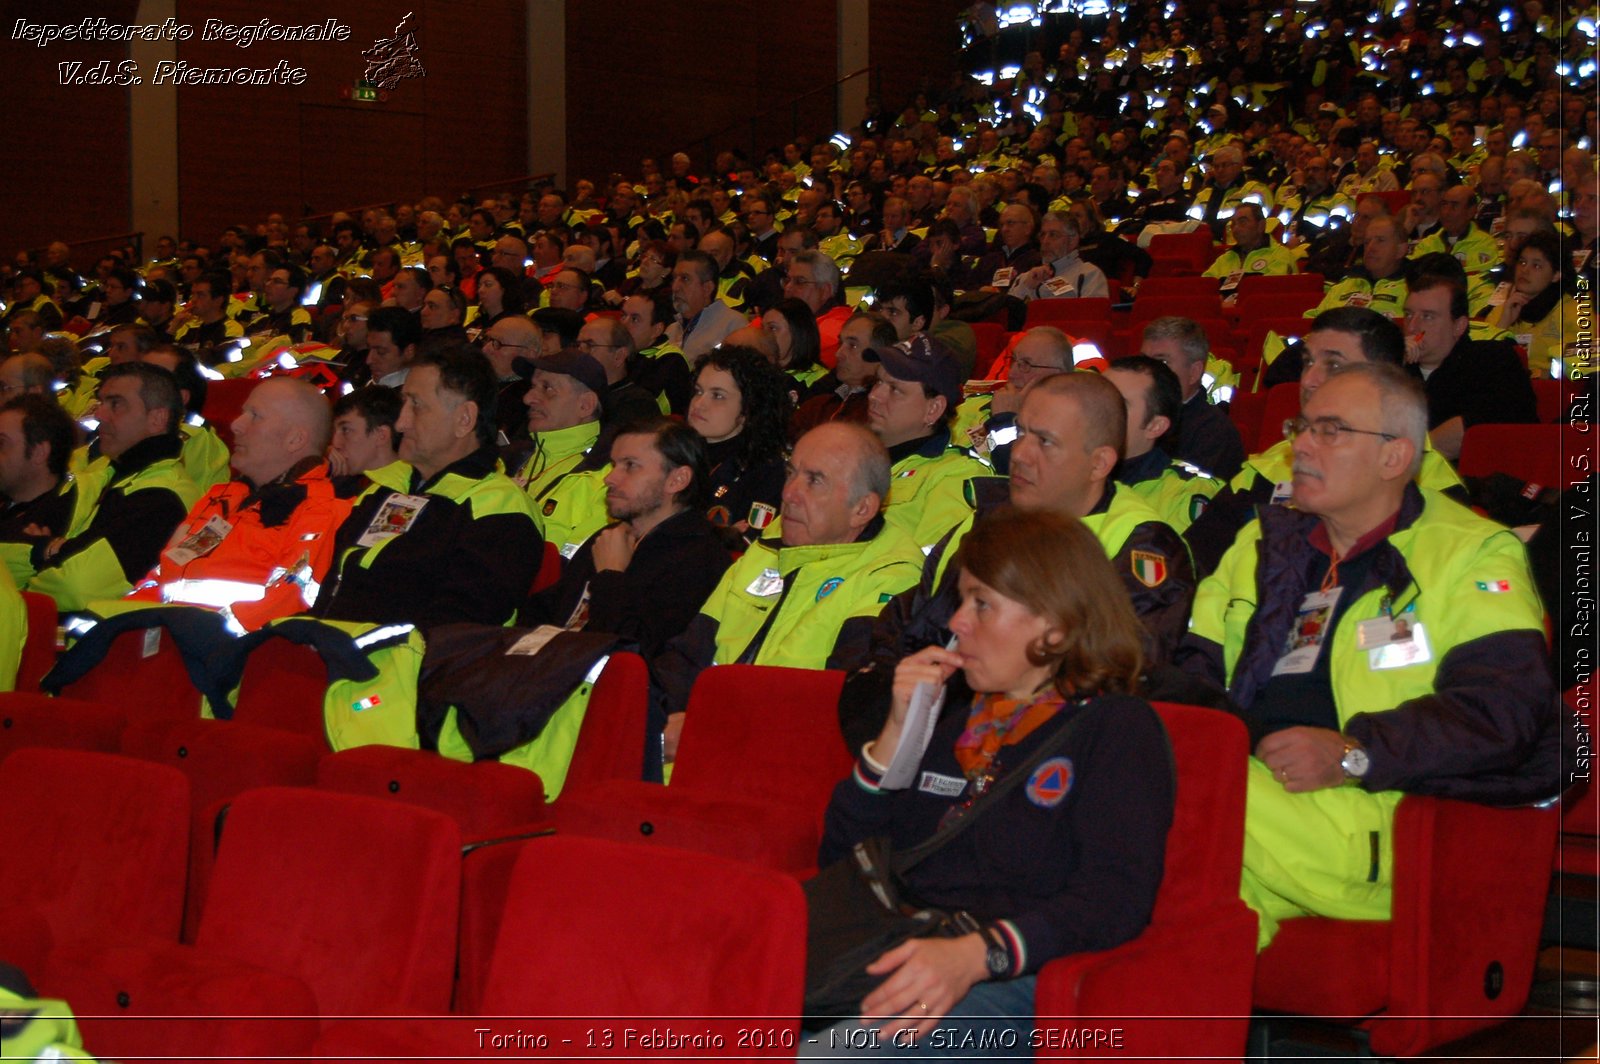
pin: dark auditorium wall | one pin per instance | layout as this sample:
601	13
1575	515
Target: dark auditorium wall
66	147
649	78
913	44
246	151
644	77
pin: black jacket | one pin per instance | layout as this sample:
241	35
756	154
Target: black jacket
674	568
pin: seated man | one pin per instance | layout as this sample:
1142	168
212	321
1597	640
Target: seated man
989	421
1467	381
36	437
1207	438
911	409
646	575
257	548
664	370
704	321
1378	640
283	315
1380	281
855	375
205	456
364	437
563	471
1252	252
1071	431
1176	490
805	594
1063	274
609	343
1341	337
441	537
208	330
127	506
510	338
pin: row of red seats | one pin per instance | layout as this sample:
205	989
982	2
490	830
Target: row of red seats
738	792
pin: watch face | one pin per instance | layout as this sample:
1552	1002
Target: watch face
1355	762
999	961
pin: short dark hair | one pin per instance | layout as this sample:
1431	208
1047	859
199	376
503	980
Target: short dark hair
1381	339
297	277
704	265
1163	397
917	293
375	404
221	284
424	278
43	421
464	371
679	445
158	390
1439	269
401	325
187	370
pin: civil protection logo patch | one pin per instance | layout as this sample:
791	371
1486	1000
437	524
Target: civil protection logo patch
549	507
1050	783
828	587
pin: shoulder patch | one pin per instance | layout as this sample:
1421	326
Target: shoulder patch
549	507
1197	506
1149	568
829	586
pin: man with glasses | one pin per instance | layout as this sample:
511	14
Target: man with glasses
704	321
1378	639
989	421
1468	381
813	278
758	218
1338	338
609	343
283	316
570	290
507	340
208	331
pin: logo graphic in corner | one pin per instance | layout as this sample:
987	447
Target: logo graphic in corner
828	587
392	59
1050	783
365	703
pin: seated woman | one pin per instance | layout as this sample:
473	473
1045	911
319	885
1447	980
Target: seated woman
500	295
1540	311
741	409
1069	860
794	328
654	273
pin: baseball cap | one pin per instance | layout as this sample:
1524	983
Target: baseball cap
923	359
570	362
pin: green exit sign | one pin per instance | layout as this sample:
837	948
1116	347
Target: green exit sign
365	93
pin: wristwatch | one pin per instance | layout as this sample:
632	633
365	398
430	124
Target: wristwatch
1355	761
996	956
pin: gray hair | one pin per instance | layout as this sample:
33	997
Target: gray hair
1068	222
1402	404
826	269
1191	338
869	467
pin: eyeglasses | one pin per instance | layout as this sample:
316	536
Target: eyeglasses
495	341
801	281
1025	364
1327	430
589	345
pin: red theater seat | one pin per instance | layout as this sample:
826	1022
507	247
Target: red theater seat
1458	954
322	905
749	785
94	849
1190	971
679	942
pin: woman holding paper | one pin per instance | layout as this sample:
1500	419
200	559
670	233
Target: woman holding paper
1066	857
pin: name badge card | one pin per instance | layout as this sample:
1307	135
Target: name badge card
1311	622
394	518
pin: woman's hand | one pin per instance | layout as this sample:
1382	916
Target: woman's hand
930	976
932	665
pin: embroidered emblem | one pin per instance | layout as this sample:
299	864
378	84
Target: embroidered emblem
1149	568
1050	783
828	587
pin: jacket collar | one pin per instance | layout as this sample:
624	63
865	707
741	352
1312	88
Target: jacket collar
146	452
475	466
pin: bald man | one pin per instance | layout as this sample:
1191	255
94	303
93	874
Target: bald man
256	548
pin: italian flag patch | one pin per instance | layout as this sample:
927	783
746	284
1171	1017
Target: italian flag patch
1495	586
1149	568
366	703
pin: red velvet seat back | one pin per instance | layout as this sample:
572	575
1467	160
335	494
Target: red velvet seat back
283	687
646	931
1206	843
611	741
355	896
486	798
756	730
95	842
